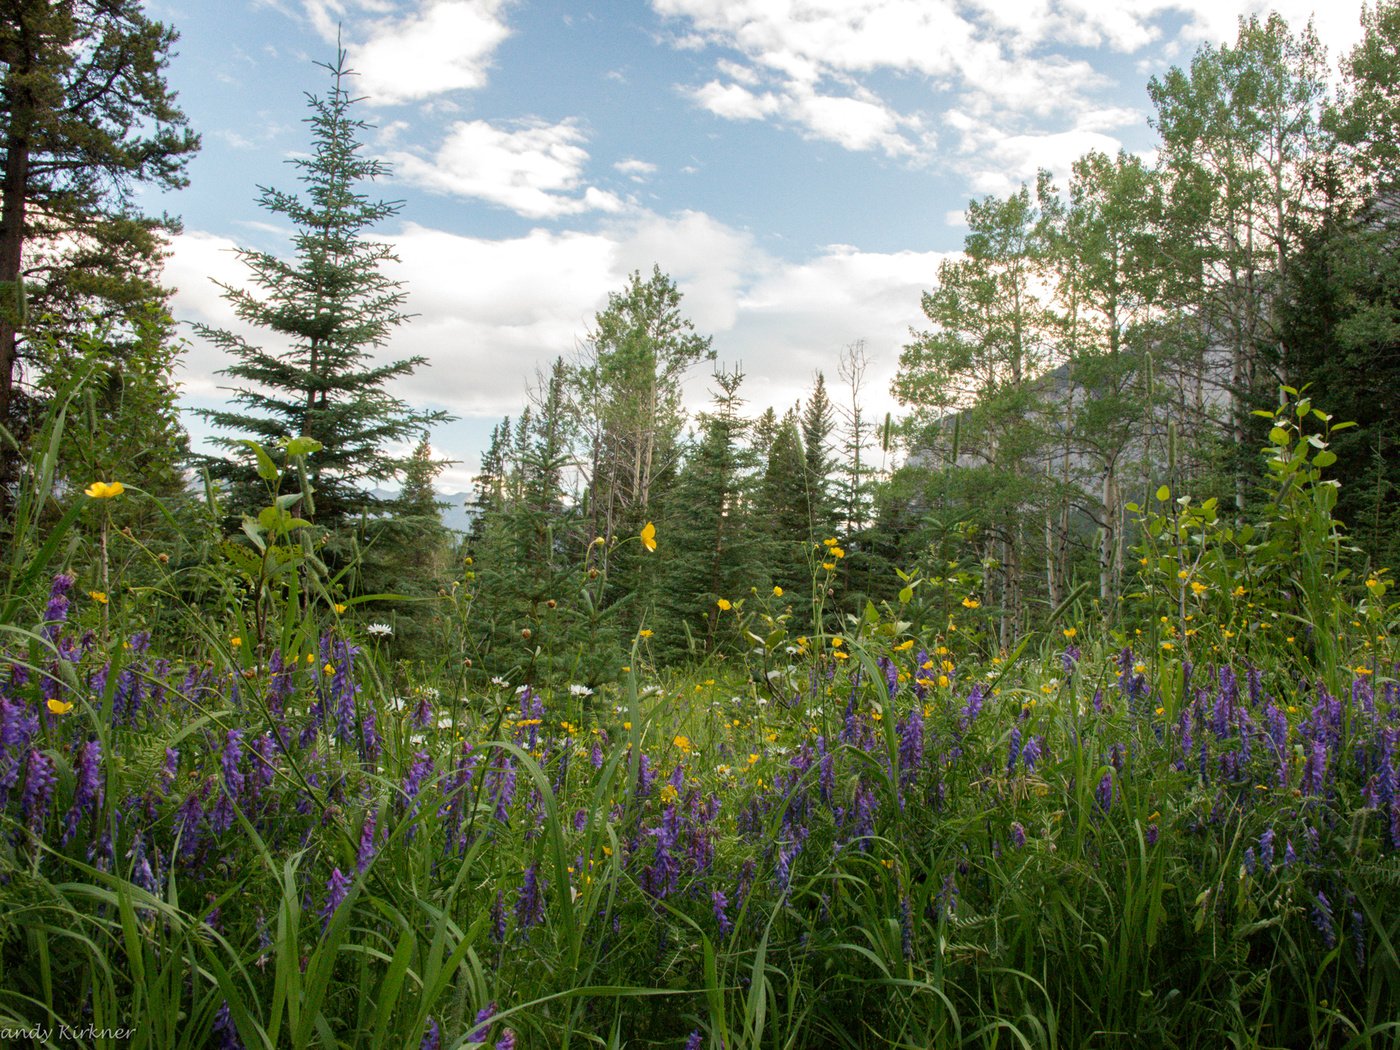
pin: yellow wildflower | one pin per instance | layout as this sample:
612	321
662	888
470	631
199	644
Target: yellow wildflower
104	490
724	604
971	603
60	707
1070	632
668	794
1199	588
100	597
236	642
682	742
777	592
340	607
828	565
649	536
904	646
645	632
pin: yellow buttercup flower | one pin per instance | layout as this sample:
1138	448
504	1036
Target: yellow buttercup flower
971	603
649	536
235	641
1199	588
724	604
60	707
682	742
340	607
904	646
645	632
100	597
104	490
1070	632
828	565
777	592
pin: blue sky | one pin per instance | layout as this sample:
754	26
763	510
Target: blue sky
799	167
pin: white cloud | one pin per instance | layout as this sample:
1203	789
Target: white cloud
534	168
636	170
1009	64
492	312
444	46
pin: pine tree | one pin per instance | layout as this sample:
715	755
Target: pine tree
335	306
818	423
85	118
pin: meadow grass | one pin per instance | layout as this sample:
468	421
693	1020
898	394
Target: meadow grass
870	837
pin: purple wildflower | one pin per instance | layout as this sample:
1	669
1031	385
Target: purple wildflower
432	1039
56	612
1018	835
1015	750
337	888
368	844
481	1025
39	780
507	1040
693	1041
1266	848
1104	795
225	1031
1322	919
88	793
721	902
974	705
911	745
529	905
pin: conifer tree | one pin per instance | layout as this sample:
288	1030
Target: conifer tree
331	306
86	117
818	423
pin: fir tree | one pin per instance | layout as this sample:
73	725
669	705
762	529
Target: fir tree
334	305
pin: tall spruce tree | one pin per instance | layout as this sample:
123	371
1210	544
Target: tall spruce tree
330	307
85	118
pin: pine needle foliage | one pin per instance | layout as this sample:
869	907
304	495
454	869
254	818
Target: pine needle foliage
326	310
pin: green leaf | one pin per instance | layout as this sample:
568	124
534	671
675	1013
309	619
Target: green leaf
267	470
1279	436
906	595
1325	458
1164	493
303	446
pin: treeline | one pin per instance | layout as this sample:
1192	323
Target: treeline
1094	341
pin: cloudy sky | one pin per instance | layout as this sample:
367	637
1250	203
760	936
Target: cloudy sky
799	167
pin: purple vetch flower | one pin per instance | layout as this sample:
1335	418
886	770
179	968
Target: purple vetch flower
1104	794
481	1025
1315	768
891	675
225	1031
1069	659
1322	919
56	612
432	1040
500	784
911	745
39	780
906	928
720	903
1014	752
169	769
974	705
693	1041
369	846
419	771
337	888
1266	848
595	756
229	763
498	918
645	777
1289	857
529	904
1250	863
1018	835
1030	754
1151	835
87	791
507	1040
